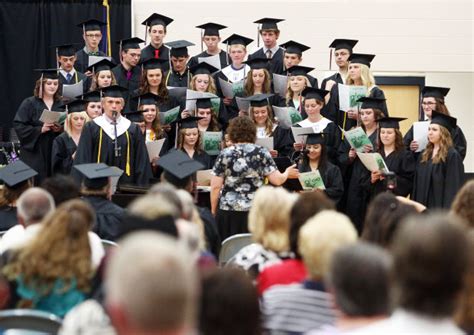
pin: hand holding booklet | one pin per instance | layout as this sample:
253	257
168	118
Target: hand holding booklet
373	161
311	180
287	116
169	116
154	148
420	134
357	138
348	96
52	117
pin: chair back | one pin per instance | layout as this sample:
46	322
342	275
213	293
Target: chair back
29	321
107	244
232	246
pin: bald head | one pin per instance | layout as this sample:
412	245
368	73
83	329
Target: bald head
33	205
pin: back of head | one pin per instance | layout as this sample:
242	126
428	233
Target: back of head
61	187
269	218
34	204
384	215
430	259
320	237
306	205
167	191
359	277
463	204
151	285
229	304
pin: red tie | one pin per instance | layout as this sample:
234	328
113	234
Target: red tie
157	54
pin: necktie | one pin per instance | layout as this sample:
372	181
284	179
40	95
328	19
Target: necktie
93	53
129	75
157	54
68	77
269	53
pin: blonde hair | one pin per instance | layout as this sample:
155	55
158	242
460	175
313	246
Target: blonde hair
446	142
95	78
366	76
68	122
289	92
320	237
269	218
182	134
268	123
151	207
191	214
211	88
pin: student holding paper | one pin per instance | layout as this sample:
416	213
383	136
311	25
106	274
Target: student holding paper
314	158
297	82
439	171
397	158
65	145
178	75
205	111
36	138
259	81
211	38
157	27
342	51
68	75
293	55
262	115
434	100
92	35
190	141
356	175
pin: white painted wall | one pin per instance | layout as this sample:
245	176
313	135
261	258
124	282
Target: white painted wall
427	38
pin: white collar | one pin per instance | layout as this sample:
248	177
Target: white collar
107	125
64	73
273	50
318	127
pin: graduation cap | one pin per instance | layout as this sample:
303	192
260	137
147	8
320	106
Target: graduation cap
268	23
157	19
340	43
237	39
299	70
314	93
390	122
259	100
15	173
136	116
102	65
257	63
444	120
203	68
97	174
203	102
146	99
153	63
91	24
66	50
179	165
369	102
434	92
92	96
132	222
188	123
293	47
211	29
365	59
316	138
75	106
130	43
179	48
48	73
114	91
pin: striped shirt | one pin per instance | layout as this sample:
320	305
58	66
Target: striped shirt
296	309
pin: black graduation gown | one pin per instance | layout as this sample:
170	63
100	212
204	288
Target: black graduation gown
164	53
88	150
403	165
35	146
77	77
175	79
436	185
131	85
108	217
357	179
459	141
223	57
213	241
332	112
8	217
332	179
61	158
276	62
335	77
203	158
82	60
282	141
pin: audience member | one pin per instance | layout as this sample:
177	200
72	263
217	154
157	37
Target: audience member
62	188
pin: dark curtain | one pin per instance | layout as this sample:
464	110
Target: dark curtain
28	29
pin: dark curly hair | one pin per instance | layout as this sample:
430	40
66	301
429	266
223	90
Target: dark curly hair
242	130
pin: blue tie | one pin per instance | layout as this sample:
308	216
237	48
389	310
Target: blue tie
68	77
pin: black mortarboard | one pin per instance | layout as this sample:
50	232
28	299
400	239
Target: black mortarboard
444	120
211	29
390	122
146	99
130	43
97	174
293	47
237	39
258	63
136	116
203	103
268	23
298	70
189	122
179	165
153	63
365	59
316	138
157	19
369	102
179	48
92	96
48	73
203	68
91	24
314	93
259	100
114	91
132	222
101	65
75	106
66	50
434	92
16	172
340	43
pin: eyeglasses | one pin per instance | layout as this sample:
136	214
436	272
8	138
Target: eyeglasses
428	103
94	35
